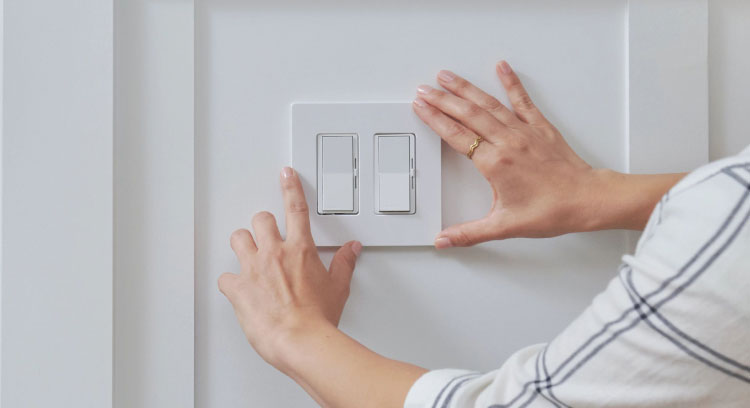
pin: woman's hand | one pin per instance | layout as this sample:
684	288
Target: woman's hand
540	187
289	306
283	287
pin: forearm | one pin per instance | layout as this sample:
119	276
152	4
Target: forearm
337	371
624	201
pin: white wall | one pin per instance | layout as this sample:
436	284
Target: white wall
459	308
729	76
57	204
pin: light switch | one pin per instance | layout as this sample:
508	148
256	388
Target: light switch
394	172
337	174
345	200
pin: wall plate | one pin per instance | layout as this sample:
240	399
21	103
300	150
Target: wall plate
369	225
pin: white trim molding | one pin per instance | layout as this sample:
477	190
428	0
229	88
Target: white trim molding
667	85
154	226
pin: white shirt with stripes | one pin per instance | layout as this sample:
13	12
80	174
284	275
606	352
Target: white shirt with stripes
672	329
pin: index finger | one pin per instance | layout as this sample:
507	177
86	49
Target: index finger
295	206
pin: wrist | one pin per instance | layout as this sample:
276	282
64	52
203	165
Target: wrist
599	205
622	201
293	342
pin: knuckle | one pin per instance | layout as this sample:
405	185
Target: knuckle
461	239
272	254
505	160
436	96
491	104
525	102
263	216
462	85
496	226
497	164
237	236
289	184
276	252
305	248
301	243
455	129
298	206
514	81
431	112
518	143
470	110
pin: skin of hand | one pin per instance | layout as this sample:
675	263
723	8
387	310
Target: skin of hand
540	186
289	305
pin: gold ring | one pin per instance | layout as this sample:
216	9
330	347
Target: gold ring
473	146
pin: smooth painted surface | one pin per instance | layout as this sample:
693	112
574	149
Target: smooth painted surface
394	171
57	204
458	308
2	178
337	177
729	79
153	263
667	85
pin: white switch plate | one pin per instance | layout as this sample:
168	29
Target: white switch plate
366	120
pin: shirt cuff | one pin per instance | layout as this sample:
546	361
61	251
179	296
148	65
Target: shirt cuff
433	386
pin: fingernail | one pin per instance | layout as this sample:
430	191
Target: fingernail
420	102
424	89
357	248
505	67
446	76
287	172
443	242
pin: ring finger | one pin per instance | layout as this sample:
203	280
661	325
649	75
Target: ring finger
468	113
455	134
470	92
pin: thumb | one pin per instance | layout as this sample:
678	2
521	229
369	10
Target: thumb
342	265
469	233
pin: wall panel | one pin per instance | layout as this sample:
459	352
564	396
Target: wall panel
153	263
57	204
254	59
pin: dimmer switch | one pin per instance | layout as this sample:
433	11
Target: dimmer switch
370	171
395	178
337	174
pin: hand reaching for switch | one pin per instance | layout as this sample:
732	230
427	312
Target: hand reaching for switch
540	186
289	304
283	282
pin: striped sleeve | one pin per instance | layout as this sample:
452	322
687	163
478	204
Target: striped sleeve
671	328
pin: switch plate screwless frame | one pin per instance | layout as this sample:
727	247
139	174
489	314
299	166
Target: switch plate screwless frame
416	226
